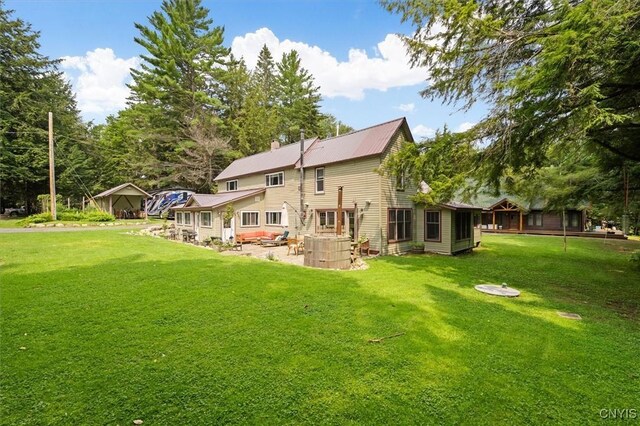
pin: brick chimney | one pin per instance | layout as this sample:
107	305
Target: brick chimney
275	144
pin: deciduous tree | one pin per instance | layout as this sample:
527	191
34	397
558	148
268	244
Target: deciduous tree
556	73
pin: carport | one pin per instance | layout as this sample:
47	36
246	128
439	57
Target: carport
125	201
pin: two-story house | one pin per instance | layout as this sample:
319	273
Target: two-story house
253	191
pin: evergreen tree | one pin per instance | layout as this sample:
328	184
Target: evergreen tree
180	82
329	125
264	75
297	99
234	90
30	87
259	123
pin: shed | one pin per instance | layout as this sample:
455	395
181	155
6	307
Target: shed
123	201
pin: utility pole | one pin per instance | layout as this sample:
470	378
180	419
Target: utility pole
301	189
52	170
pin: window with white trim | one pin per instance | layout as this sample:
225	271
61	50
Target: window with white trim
187	218
320	180
205	218
232	185
249	219
179	219
273	218
274	179
327	219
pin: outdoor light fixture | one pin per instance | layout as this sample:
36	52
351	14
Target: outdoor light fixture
368	203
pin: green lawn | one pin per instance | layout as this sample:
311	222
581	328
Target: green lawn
103	327
10	223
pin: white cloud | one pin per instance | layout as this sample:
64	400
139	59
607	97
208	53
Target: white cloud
347	79
422	131
407	107
99	80
463	127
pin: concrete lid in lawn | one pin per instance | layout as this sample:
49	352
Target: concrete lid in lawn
497	290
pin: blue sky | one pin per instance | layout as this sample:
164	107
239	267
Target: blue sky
350	46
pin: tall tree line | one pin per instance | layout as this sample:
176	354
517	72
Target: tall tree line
193	109
30	87
564	88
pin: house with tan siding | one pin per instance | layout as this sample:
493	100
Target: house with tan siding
305	178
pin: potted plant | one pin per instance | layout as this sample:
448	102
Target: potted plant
417	247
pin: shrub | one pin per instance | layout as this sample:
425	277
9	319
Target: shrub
99	216
70	215
36	218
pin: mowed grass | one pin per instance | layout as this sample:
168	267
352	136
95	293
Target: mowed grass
104	327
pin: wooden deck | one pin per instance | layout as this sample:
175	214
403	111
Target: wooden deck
557	233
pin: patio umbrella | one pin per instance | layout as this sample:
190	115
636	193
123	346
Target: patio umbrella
284	218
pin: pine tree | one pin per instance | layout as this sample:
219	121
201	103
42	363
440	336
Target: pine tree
30	87
297	99
180	82
264	75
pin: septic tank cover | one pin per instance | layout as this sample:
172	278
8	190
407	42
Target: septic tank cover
498	290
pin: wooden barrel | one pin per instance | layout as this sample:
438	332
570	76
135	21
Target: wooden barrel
327	252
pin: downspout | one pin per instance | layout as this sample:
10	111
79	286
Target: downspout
380	209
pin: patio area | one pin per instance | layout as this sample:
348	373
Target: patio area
275	253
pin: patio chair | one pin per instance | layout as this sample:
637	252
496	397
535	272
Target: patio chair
364	247
281	240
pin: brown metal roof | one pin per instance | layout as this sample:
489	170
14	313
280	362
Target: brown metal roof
118	188
362	143
285	156
212	201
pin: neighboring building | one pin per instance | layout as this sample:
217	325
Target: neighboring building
509	214
123	201
374	206
449	227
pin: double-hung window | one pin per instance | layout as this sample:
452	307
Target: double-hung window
399	224
205	218
232	185
273	218
320	180
432	225
187	218
179	220
250	219
327	219
274	179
